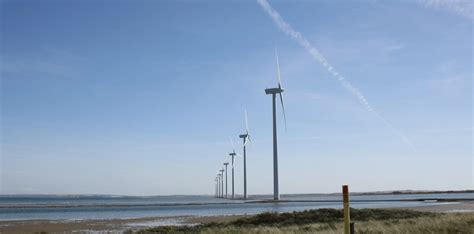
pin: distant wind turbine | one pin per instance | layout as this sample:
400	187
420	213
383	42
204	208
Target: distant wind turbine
274	92
226	164
246	138
233	154
216	186
222	182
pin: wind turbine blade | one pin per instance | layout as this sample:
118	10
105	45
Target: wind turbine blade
232	143
280	86
246	139
283	109
278	68
246	122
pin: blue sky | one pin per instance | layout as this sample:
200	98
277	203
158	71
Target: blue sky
140	98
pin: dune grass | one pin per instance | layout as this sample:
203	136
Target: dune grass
330	221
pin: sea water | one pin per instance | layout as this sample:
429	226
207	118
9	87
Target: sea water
78	207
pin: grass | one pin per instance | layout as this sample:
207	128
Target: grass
330	221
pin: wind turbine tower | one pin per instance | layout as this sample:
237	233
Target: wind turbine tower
233	155
226	164
216	186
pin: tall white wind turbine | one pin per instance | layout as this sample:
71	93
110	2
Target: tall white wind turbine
274	91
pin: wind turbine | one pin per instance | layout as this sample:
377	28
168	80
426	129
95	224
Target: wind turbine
222	182
246	138
220	185
233	154
274	91
216	186
226	164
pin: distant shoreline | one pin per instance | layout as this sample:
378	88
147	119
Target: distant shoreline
394	192
398	192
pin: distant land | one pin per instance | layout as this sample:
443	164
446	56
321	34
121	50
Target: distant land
394	192
397	192
413	192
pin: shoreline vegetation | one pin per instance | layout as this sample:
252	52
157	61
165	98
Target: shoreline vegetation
331	221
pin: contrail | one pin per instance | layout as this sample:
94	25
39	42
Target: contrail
298	37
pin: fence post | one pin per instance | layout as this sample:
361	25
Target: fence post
347	218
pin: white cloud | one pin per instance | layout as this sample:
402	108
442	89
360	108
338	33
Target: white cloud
394	47
460	7
448	79
315	96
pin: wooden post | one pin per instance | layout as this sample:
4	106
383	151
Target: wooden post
347	218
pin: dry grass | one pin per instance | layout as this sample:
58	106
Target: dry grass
441	223
448	223
444	223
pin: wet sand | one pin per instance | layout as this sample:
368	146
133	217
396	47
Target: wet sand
121	225
91	225
461	207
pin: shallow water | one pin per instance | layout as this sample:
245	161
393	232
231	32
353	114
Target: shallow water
54	207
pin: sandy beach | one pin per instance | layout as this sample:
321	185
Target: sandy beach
134	224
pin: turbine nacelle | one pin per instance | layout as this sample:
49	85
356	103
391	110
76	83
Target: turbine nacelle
244	135
274	90
232	155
